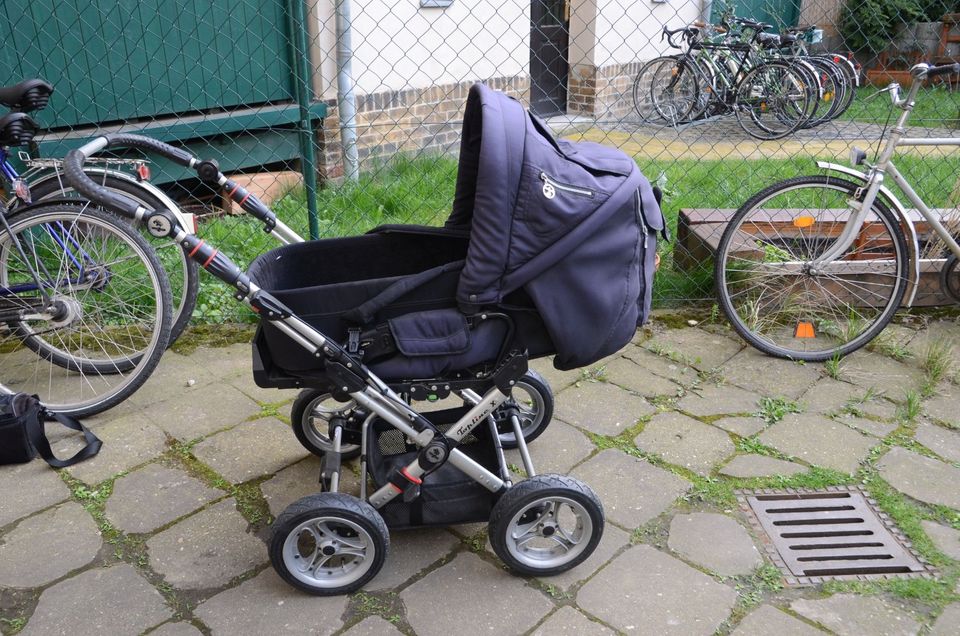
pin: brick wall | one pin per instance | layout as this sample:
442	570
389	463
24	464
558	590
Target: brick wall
408	121
605	92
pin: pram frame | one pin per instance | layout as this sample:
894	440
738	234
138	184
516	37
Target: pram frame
541	497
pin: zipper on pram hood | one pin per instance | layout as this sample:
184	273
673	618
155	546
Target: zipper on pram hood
550	187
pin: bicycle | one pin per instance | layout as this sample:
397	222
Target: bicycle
719	74
84	301
815	267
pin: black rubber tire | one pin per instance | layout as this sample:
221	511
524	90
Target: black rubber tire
185	291
867	333
305	431
526	493
332	505
538	384
777	122
128	377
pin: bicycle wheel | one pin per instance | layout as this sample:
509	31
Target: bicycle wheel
666	89
784	304
772	100
107	321
183	273
832	91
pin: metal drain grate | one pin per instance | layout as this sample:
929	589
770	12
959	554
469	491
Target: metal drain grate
830	534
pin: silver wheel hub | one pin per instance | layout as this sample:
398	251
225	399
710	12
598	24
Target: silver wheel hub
329	552
549	532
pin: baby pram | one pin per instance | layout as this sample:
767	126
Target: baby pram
549	250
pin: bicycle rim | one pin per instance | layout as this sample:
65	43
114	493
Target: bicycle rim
110	317
772	101
773	296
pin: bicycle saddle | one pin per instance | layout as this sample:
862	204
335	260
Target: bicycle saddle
17	129
28	95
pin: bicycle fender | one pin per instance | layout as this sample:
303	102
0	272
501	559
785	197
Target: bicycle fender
146	185
913	243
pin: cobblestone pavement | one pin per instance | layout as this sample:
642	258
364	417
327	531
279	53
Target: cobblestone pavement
164	532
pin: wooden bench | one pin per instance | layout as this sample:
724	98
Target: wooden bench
699	231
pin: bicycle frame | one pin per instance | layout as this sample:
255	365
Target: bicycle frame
874	186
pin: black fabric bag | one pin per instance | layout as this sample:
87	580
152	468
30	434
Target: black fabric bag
22	436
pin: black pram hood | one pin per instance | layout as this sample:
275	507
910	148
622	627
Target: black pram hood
562	220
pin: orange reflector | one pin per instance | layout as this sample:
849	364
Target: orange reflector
804	330
803	221
143	171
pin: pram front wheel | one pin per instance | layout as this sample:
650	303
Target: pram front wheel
310	417
329	544
546	525
533	397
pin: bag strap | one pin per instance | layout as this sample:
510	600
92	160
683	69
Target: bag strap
35	417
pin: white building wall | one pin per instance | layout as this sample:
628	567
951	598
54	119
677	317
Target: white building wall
629	30
398	45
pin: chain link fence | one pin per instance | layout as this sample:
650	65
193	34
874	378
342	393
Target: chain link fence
346	114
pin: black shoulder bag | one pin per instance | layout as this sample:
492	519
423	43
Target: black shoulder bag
22	436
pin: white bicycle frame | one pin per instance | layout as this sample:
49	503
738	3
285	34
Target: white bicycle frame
873	184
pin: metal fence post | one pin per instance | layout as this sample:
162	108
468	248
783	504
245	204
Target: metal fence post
301	74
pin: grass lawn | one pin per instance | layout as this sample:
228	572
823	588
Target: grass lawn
421	191
936	107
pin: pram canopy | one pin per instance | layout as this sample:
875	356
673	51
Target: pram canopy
573	224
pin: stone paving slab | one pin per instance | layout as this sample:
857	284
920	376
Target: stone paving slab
206	550
128	441
245	384
155	495
601	407
662	366
871	427
373	626
633	491
208	409
948	622
872	370
266	604
763	374
684	441
250	450
850	615
28	488
714	541
921	477
820	441
719	400
176	629
568	620
769	620
558	380
943	442
760	466
829	396
945	406
488	588
557	450
411	552
114	601
945	538
696	347
634	377
47	546
644	591
741	425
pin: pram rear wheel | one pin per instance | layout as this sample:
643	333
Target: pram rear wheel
534	399
546	525
329	544
310	417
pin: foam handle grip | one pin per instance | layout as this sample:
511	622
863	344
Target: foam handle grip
946	69
110	199
147	144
